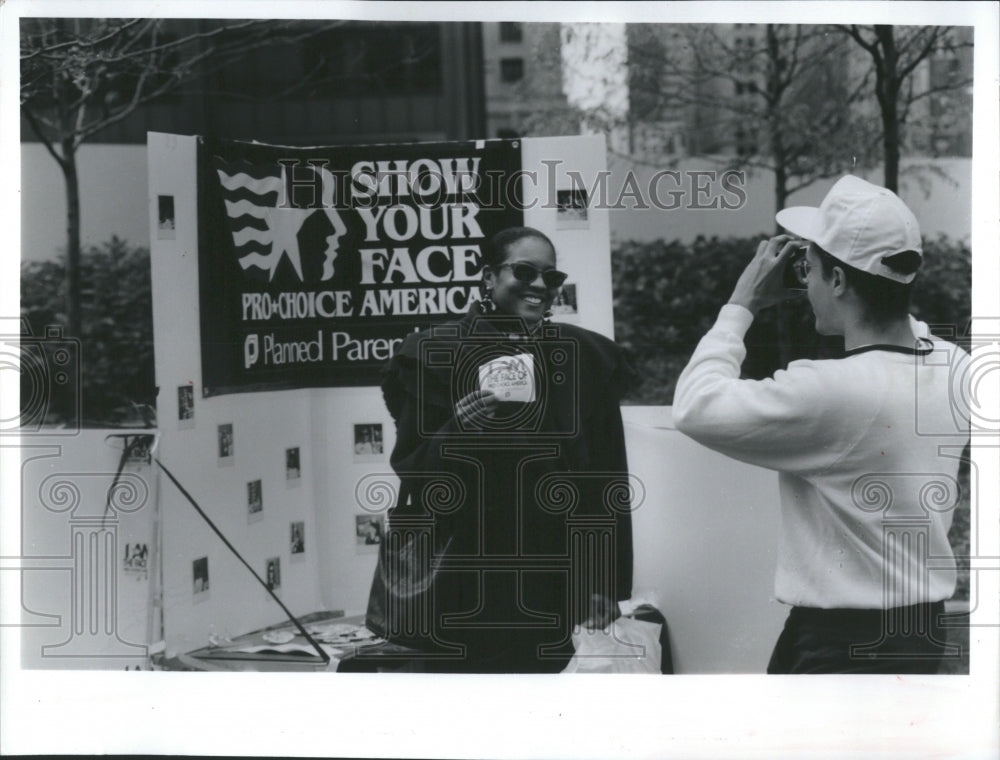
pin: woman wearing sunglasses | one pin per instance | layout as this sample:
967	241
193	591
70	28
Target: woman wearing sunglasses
519	419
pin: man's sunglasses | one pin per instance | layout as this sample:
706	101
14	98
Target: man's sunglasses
527	273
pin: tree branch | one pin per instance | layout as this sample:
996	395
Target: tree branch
957	86
79	42
923	54
42	137
853	32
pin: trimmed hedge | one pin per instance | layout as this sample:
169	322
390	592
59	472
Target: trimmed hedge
116	347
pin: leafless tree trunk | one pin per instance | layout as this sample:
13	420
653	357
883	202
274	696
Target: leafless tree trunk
895	54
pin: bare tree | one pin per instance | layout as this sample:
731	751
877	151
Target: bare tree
768	97
896	53
80	76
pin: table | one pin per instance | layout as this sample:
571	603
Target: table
231	657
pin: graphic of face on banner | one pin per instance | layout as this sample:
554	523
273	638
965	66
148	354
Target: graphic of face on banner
315	263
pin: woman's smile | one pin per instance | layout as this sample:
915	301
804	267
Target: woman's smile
528	300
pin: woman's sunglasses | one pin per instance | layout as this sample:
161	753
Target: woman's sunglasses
527	273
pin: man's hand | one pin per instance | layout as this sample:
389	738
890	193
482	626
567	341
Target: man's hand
476	408
760	285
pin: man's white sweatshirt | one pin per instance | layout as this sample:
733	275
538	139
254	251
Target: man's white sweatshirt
867	448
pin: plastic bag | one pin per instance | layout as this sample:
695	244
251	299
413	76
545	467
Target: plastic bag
625	646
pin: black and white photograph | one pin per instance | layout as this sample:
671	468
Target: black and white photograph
199	575
564	304
297	543
571	209
369	531
293	468
136	559
185	407
140	449
255	500
746	252
273	573
226	443
165	226
368	442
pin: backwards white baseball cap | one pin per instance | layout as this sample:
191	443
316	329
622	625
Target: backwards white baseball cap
859	224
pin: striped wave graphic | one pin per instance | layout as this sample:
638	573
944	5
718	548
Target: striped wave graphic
243	181
250	193
263	233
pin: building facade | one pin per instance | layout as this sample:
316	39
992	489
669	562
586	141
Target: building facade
523	81
352	82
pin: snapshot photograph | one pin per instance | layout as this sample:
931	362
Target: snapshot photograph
369	529
368	442
297	544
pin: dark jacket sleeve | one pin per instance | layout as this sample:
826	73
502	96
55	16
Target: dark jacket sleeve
605	376
424	415
606	442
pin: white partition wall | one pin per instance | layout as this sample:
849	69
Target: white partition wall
706	537
264	425
555	166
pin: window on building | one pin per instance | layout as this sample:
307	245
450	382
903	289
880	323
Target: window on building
511	31
511	69
945	72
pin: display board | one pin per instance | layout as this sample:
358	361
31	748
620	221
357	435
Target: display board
314	263
293	466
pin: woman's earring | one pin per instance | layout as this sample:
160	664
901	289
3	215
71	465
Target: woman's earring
487	303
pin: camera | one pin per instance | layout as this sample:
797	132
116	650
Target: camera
790	279
452	366
50	384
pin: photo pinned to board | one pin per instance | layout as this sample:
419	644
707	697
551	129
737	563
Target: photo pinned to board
293	467
368	442
273	573
135	561
369	530
297	540
185	407
571	209
226	445
565	304
255	501
166	225
140	449
199	574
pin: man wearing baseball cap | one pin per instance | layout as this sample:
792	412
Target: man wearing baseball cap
867	493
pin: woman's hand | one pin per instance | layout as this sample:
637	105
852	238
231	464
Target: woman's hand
476	408
761	284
